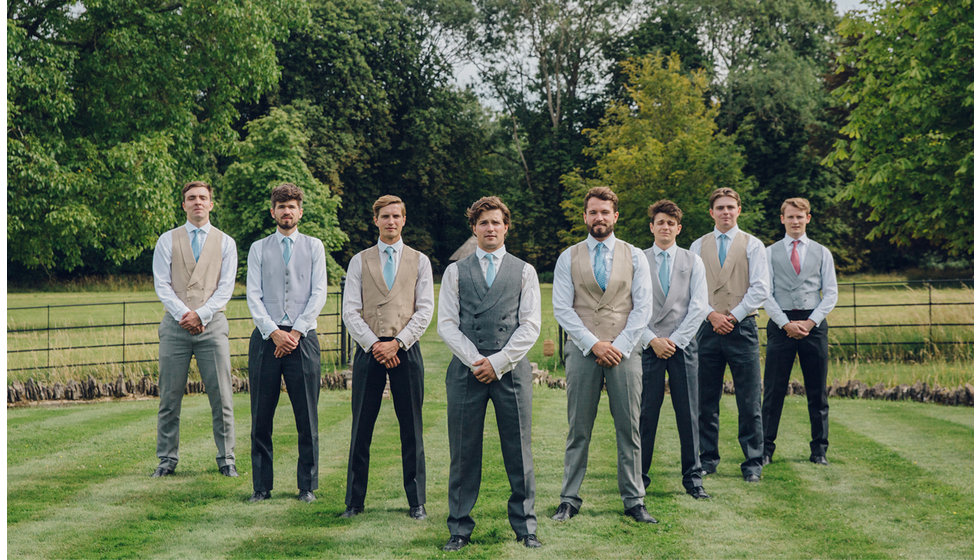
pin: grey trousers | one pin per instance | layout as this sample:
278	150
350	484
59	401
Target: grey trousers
212	353
624	383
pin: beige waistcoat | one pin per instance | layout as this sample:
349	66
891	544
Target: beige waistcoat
386	311
603	313
727	284
194	282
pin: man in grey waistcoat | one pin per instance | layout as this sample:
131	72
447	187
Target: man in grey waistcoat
286	289
737	273
602	300
194	276
680	303
804	292
489	317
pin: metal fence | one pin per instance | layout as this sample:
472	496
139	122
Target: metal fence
904	320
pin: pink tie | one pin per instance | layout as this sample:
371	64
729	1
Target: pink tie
794	257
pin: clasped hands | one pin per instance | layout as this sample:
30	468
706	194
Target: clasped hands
799	329
191	322
606	355
722	324
285	342
386	352
663	347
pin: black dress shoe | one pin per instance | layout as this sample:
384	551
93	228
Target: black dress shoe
456	542
639	512
417	512
306	496
352	511
229	470
698	493
259	495
819	459
162	471
766	459
530	541
752	478
565	512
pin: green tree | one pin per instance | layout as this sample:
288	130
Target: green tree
112	105
909	134
660	143
274	152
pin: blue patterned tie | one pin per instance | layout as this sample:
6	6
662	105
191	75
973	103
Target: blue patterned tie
491	270
287	249
196	244
599	265
389	269
722	248
664	271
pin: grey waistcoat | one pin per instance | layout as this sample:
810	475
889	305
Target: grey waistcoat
489	316
286	289
800	292
670	310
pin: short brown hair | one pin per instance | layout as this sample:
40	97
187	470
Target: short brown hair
602	193
286	192
665	206
723	191
194	185
487	204
798	202
388	200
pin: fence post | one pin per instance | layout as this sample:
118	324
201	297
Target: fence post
344	351
930	316
854	312
48	329
124	338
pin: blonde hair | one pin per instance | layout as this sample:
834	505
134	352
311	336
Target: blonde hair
387	200
798	202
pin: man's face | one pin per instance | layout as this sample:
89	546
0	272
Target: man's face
197	204
490	230
795	221
725	213
664	229
600	217
287	214
390	221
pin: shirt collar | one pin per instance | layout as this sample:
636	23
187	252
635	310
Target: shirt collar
396	246
609	242
671	251
497	255
789	240
730	234
293	236
206	228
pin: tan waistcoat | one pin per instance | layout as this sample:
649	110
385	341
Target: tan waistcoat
603	313
727	284
388	311
194	282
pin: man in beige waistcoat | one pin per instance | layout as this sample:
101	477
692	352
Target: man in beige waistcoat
737	272
388	304
602	298
194	276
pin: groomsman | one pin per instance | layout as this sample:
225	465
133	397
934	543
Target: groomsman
737	274
804	292
489	317
388	303
602	300
286	289
194	276
680	303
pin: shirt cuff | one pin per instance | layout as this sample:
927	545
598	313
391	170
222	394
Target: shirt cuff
589	341
205	315
499	363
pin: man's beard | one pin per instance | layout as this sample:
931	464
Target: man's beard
606	230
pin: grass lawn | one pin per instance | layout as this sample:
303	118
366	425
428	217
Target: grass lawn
900	485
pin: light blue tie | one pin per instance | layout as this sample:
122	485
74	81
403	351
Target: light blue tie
196	244
599	265
722	248
389	270
491	270
287	249
664	271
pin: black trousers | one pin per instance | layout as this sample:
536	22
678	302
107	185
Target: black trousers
682	368
739	350
781	352
368	384
300	370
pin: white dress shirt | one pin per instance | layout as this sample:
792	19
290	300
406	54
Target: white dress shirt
318	291
828	283
163	278
353	305
563	297
759	279
697	308
528	317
